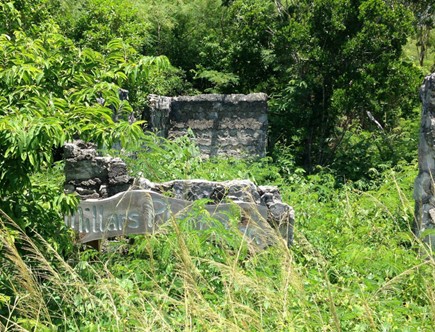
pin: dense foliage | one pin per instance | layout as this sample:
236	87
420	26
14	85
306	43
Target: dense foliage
344	121
355	265
333	69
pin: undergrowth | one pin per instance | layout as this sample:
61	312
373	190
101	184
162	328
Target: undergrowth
354	265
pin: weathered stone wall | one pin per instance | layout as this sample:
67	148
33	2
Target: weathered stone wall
230	125
95	177
424	188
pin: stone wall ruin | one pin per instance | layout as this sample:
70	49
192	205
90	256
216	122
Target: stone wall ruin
95	178
230	125
424	187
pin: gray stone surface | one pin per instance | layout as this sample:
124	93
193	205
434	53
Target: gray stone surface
191	190
93	176
96	177
279	215
231	125
424	188
144	211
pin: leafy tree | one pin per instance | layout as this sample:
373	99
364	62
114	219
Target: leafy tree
93	23
349	68
424	23
250	53
24	15
330	66
194	36
223	47
51	91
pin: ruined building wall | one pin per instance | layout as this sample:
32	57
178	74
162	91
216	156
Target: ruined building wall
92	176
424	189
231	125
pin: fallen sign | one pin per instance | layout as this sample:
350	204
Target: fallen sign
143	211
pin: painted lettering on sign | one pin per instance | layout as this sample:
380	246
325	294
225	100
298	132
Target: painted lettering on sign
115	222
143	211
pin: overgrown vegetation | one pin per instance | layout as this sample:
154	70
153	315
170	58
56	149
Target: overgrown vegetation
344	119
355	265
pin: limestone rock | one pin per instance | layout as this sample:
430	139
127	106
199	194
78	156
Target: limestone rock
93	176
424	188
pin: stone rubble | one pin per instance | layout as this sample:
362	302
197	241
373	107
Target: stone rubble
92	176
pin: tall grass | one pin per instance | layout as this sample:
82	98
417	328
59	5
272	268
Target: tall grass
355	266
